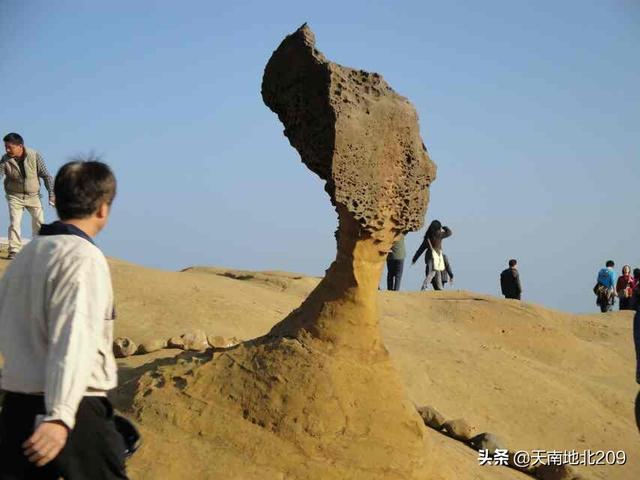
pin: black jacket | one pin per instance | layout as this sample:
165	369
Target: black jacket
435	240
510	283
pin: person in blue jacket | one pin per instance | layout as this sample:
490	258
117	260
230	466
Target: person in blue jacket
605	288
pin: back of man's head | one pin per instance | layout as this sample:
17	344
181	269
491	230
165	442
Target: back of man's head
82	186
512	263
610	263
13	138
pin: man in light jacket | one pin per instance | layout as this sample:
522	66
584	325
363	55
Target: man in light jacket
22	169
56	329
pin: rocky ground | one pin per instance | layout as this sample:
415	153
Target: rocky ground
537	378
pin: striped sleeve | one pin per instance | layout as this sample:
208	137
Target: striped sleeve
44	174
3	162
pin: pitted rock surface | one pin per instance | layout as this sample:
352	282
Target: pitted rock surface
354	131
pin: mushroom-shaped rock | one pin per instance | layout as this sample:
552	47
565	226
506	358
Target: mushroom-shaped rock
320	385
363	139
355	132
124	347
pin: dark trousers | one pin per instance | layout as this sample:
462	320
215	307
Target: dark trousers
636	340
605	300
394	273
437	282
606	307
513	296
94	449
625	303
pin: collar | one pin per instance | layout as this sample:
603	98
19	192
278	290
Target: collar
61	228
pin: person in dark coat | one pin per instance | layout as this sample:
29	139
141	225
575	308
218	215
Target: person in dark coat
634	301
635	304
510	281
434	257
624	288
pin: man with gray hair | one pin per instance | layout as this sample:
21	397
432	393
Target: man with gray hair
22	169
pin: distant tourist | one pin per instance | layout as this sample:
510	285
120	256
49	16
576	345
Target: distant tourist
22	169
624	288
395	264
434	256
634	303
605	287
510	281
636	340
56	334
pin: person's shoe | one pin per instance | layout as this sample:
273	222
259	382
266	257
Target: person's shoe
11	255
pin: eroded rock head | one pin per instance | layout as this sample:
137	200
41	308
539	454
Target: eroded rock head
352	130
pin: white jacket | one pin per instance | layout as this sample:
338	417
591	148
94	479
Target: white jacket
56	323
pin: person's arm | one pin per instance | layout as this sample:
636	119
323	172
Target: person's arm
447	267
47	179
446	232
516	278
3	163
421	248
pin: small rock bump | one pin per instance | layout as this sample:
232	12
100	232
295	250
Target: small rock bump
459	429
431	417
124	347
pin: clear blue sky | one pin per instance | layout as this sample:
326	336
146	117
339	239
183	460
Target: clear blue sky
531	109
